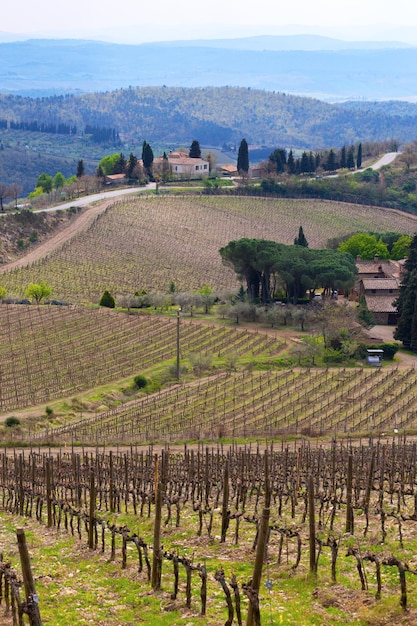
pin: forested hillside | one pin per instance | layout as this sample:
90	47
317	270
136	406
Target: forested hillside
89	126
215	116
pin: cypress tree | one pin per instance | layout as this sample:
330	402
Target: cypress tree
301	239
120	165
305	163
291	163
131	164
359	157
343	160
195	150
331	161
147	158
351	159
243	158
80	168
107	300
406	330
311	162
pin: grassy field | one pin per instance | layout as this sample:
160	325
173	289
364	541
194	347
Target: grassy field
149	243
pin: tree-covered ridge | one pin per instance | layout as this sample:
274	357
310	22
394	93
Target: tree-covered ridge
214	115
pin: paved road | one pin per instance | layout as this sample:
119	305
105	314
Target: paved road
104	195
388	158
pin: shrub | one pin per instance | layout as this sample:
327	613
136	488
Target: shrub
390	349
107	300
364	315
200	362
12	421
49	411
333	356
140	381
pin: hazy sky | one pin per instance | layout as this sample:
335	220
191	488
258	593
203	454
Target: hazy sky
136	21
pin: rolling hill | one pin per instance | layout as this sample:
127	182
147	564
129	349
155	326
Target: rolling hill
147	243
311	66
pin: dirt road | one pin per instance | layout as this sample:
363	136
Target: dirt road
75	225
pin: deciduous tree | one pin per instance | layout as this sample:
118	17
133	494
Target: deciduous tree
45	182
14	192
58	180
365	245
38	291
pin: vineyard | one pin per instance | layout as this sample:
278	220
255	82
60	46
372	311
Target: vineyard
291	534
150	242
258	404
50	352
55	353
176	534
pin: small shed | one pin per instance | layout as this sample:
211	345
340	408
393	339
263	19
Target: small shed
374	356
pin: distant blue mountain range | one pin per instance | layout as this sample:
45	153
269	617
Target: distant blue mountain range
320	67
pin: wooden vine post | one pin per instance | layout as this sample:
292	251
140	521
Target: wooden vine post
92	511
111	486
32	603
260	551
156	561
312	526
49	491
225	503
349	485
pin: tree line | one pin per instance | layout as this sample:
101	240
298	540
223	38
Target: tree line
280	161
43	127
99	134
269	268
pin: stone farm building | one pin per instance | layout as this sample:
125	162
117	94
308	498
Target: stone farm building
379	282
183	166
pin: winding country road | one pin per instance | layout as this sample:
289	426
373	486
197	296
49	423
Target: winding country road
95	204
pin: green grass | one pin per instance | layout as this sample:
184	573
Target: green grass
76	586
